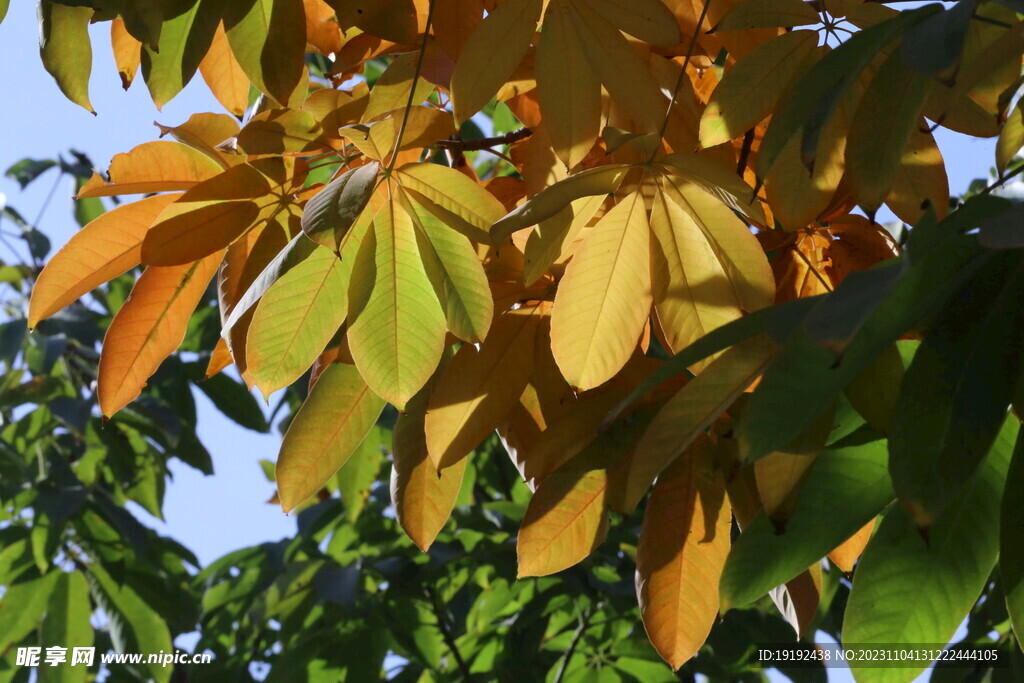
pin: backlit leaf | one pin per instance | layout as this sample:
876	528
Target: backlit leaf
185	36
149	327
491	54
102	250
65	48
328	216
396	324
268	38
604	298
282	131
455	199
224	75
158	166
767	14
332	422
680	554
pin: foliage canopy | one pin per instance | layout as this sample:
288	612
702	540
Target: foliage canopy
622	235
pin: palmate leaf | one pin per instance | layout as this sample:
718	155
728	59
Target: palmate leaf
552	237
332	211
750	14
335	418
453	198
604	298
396	324
908	590
148	328
282	131
682	548
105	248
67	622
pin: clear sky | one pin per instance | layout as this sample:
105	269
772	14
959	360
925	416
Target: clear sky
210	515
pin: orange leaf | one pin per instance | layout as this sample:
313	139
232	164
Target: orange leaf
207	218
224	76
158	166
127	52
148	328
106	247
682	548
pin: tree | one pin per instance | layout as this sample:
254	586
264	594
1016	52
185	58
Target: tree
592	290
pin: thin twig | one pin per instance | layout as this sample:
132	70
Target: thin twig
412	87
446	633
584	624
682	74
484	143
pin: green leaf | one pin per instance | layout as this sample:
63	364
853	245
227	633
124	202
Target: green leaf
358	474
297	250
268	38
329	215
1011	539
21	607
455	272
1004	230
909	589
134	626
67	624
185	36
66	50
296	318
845	488
327	430
810	375
396	324
955	393
813	97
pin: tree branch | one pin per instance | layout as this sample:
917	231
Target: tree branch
446	635
484	143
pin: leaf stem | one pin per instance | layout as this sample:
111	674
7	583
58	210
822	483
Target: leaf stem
682	75
412	87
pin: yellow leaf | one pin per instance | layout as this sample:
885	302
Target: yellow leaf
798	599
322	29
268	38
208	217
224	75
159	166
478	388
396	325
767	14
692	409
332	422
491	54
127	52
423	498
735	248
604	298
204	132
602	181
282	131
424	127
553	236
149	327
392	89
718	180
845	556
1011	137
220	358
692	293
625	76
646	20
453	198
105	248
780	475
568	91
679	558
920	178
749	91
565	521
